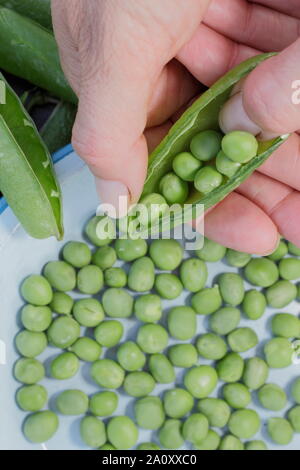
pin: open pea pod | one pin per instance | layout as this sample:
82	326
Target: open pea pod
203	115
27	178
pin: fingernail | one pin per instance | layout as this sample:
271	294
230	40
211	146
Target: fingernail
268	253
114	197
233	117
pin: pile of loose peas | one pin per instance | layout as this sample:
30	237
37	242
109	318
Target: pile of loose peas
186	411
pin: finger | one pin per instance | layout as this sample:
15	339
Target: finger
154	135
289	7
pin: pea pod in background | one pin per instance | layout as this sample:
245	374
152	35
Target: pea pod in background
57	130
37	10
27	178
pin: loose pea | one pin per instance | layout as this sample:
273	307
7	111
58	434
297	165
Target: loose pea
211	251
61	275
30	343
183	355
256	373
149	413
151	208
182	323
256	445
139	384
193	274
130	356
63	332
92	432
72	402
90	280
166	254
279	353
115	277
29	371
231	288
64	366
226	166
185	165
280	431
104	257
242	339
161	369
88	312
122	432
86	349
62	303
148	308
129	250
261	272
109	333
100	230
103	403
211	346
32	397
207	301
117	303
206	145
254	304
237	395
293	249
107	373
141	275
107	447
296	390
148	446
240	146
217	411
152	338
207	179
272	397
41	426
224	320
177	402
281	294
289	269
173	189
36	290
237	259
231	443
294	418
201	381
195	428
168	286
280	252
286	325
77	254
210	442
170	434
230	368
244	424
36	318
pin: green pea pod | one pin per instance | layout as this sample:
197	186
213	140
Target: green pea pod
29	51
57	131
203	115
27	178
37	10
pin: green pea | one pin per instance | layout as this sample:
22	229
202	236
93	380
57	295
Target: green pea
107	373
139	384
242	339
256	373
115	277
211	251
32	397
237	395
294	418
279	353
88	312
148	308
280	252
207	179
261	272
92	432
149	413
130	356
77	254
177	402
170	434
86	349
122	432
225	166
182	323
103	403
161	369
90	280
100	230
63	332
195	428
289	269
141	275
207	301
186	166
109	333
286	325
62	303
148	446
211	346
61	275
193	274
183	355
117	303
244	424
30	343
240	146
166	254
280	431
41	426
293	249
107	447
231	443
104	257
230	368
272	397
152	338
254	304
201	381
256	445
35	318
281	294
206	145
29	371
128	250
237	259
64	366
151	208
232	288
36	290
72	402
224	320
210	442
168	286
173	189
296	390
216	411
